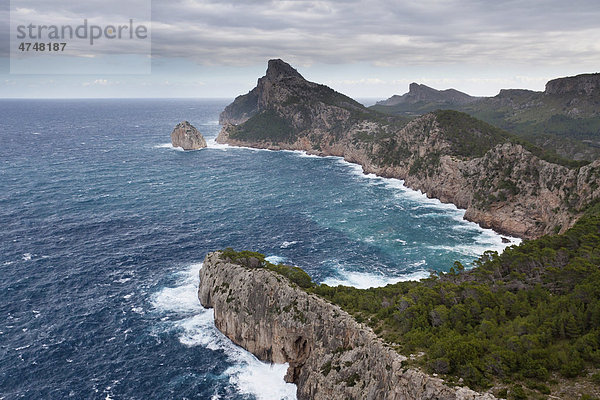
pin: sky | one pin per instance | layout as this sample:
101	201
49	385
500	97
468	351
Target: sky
366	49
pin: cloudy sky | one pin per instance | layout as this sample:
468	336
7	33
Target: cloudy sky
374	49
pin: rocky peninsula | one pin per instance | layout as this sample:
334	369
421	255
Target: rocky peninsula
186	136
503	182
330	355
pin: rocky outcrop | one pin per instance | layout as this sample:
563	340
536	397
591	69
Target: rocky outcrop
421	93
285	90
586	84
330	355
186	136
500	183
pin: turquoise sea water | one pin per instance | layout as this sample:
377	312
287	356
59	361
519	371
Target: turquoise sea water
103	228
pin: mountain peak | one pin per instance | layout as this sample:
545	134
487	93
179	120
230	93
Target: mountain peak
422	90
423	93
279	69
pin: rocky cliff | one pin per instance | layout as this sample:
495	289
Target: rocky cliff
186	136
503	183
330	355
587	84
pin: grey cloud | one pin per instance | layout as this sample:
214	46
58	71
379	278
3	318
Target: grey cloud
234	32
395	33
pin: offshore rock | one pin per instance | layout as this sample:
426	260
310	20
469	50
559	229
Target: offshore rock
186	136
330	355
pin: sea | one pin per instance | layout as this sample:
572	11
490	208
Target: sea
104	227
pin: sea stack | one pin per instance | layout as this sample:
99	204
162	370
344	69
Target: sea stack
186	136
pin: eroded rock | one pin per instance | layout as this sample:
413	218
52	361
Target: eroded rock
186	136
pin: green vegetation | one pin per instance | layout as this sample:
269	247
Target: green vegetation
471	137
294	115
265	126
566	124
244	257
427	165
244	105
468	136
529	315
523	315
252	259
294	274
417	108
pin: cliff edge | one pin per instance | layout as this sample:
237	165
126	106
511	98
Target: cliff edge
586	84
330	355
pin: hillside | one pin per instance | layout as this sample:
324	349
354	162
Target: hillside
503	182
528	317
565	118
525	323
266	309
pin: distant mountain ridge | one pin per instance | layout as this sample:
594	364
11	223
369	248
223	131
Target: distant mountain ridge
564	118
421	93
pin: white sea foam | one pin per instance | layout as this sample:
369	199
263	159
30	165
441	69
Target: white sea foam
487	239
419	263
176	148
287	244
211	143
195	326
137	310
263	380
167	146
365	280
302	153
306	155
275	259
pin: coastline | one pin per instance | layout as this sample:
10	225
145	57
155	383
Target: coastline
368	169
503	182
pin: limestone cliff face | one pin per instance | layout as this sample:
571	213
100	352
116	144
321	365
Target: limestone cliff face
186	136
581	84
506	188
330	355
